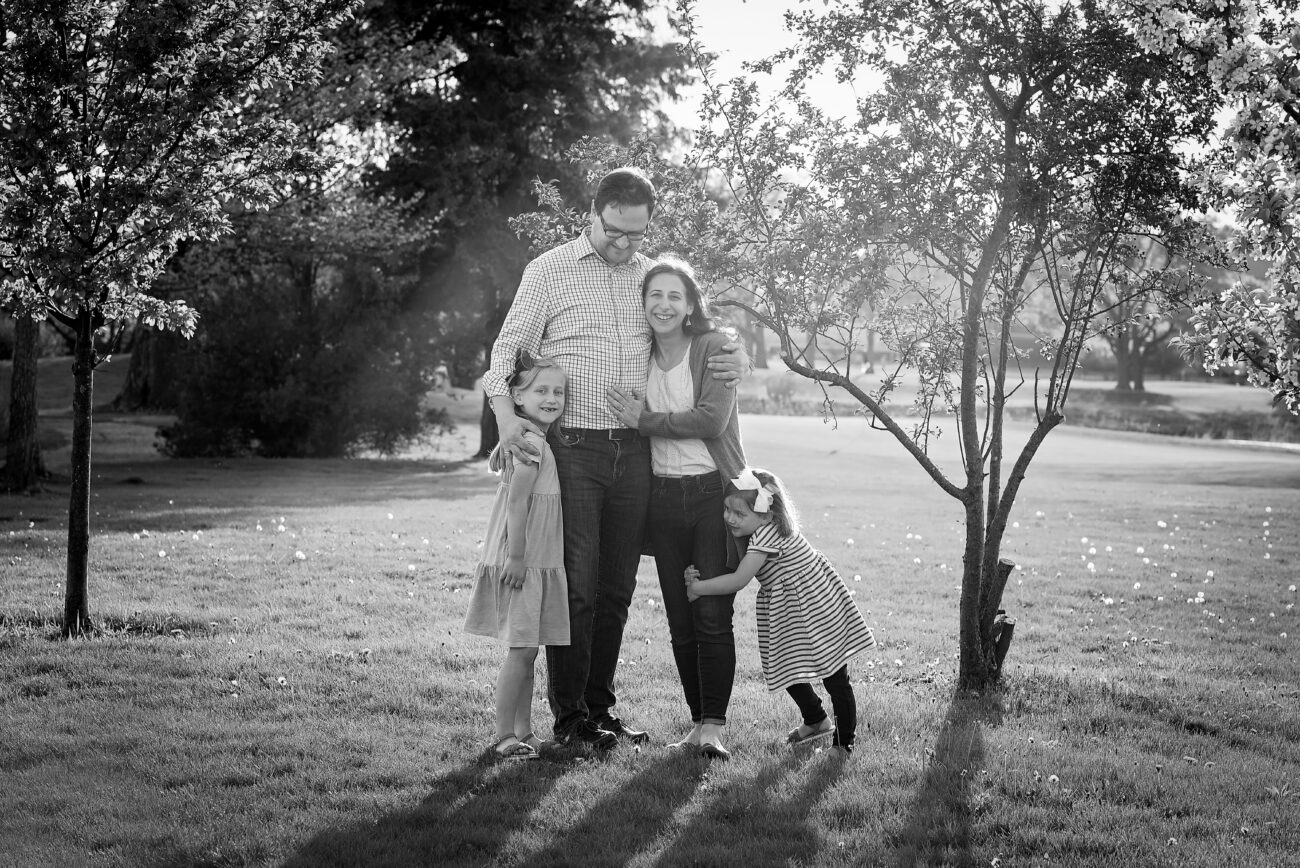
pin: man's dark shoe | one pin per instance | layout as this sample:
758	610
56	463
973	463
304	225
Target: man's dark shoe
609	723
587	733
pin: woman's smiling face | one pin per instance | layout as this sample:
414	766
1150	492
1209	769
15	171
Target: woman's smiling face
667	304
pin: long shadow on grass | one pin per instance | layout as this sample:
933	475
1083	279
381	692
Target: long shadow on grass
465	820
938	830
622	824
763	820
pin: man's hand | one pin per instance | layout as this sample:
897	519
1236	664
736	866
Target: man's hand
510	431
731	363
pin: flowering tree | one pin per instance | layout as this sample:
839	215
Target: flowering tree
1249	52
1007	154
127	130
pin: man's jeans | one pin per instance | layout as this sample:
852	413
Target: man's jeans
604	488
685	528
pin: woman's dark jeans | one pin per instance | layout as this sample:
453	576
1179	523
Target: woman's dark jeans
846	707
685	528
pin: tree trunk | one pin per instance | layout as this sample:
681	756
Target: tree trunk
23	466
156	373
76	610
973	665
1123	362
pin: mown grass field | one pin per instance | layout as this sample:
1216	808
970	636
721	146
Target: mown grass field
282	679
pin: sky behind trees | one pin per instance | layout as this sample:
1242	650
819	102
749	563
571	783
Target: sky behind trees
746	30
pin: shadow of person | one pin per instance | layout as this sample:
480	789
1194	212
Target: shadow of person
619	826
465	820
938	828
763	819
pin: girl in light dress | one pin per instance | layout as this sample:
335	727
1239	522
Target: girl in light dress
808	625
520	592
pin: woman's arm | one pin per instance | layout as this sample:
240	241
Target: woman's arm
714	403
725	584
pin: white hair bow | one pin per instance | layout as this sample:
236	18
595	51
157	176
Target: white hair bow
747	481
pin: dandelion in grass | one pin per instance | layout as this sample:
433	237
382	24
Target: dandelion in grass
1141	550
300	556
282	681
162	553
1161	524
1108	601
1137	586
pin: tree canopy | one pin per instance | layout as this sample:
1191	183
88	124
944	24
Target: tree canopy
1249	53
128	128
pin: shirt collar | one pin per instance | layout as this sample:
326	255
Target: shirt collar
584	248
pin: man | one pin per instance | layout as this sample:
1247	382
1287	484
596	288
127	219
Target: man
580	304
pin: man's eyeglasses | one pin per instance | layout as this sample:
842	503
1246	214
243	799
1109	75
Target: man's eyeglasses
619	234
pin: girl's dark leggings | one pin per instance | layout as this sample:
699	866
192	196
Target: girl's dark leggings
842	701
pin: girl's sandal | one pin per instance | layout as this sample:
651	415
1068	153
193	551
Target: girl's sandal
823	729
537	744
511	749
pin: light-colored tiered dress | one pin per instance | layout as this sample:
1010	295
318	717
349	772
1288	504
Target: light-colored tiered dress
538	613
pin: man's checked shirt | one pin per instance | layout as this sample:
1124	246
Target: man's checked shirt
576	308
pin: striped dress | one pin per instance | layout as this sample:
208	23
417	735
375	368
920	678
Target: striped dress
808	625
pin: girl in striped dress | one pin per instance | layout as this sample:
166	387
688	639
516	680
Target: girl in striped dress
808	626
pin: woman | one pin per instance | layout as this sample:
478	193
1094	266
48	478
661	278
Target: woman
695	448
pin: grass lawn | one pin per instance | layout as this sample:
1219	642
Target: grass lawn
282	678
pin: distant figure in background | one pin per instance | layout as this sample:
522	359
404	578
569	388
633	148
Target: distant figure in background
520	594
808	626
441	379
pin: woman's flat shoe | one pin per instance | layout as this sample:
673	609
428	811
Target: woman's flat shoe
714	751
824	729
